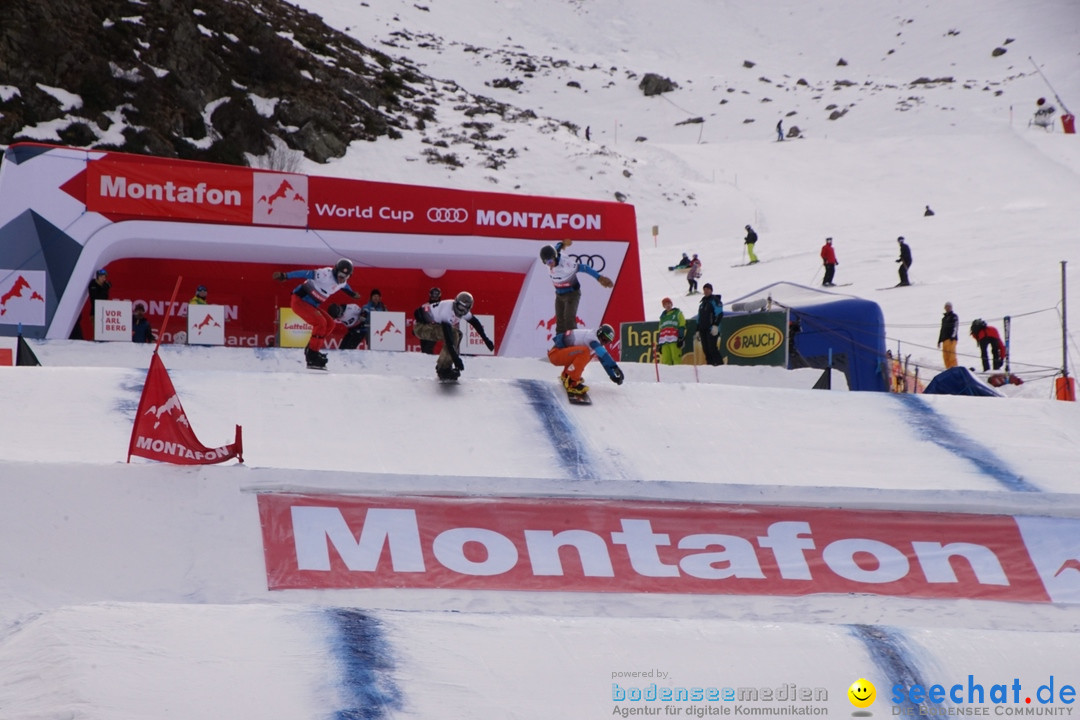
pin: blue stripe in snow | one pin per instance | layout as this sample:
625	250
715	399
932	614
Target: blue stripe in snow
367	663
888	649
935	428
560	428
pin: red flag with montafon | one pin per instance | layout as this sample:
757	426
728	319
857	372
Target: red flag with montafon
162	431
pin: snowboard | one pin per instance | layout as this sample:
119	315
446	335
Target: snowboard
836	285
312	366
748	263
678	267
893	287
582	399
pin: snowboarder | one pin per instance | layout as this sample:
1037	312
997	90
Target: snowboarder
828	258
780	130
434	296
441	323
672	330
928	212
710	313
684	262
988	339
947	337
905	262
693	274
564	270
307	300
574	349
352	317
751	240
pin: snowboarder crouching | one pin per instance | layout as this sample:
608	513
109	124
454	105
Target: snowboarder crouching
440	322
573	349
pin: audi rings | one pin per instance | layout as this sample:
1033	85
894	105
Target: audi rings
447	215
596	262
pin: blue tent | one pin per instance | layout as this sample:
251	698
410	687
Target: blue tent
958	381
822	324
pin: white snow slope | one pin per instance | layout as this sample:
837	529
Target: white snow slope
140	590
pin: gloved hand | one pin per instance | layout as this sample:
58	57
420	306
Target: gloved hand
567	242
616	374
490	345
714	331
459	363
279	276
606	281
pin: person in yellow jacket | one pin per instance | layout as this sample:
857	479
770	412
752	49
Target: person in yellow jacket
672	330
200	296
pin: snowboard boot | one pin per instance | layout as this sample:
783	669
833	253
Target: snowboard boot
314	358
447	373
577	388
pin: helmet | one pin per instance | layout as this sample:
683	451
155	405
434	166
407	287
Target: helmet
344	267
547	254
434	295
605	333
977	325
463	304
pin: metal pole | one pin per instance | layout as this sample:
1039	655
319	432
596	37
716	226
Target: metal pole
1056	97
1064	325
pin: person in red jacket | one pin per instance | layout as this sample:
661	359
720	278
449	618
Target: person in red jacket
988	339
828	258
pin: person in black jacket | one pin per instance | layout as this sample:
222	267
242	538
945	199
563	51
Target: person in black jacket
905	262
946	339
710	313
141	331
751	240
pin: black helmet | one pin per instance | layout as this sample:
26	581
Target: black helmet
547	254
434	295
463	304
344	267
977	324
605	333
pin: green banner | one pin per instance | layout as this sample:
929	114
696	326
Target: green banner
636	340
755	338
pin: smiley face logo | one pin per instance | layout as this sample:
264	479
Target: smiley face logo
862	693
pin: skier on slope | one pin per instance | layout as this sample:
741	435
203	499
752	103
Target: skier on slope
440	322
307	300
564	270
574	349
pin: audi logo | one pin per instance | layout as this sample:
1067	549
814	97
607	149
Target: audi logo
596	262
447	215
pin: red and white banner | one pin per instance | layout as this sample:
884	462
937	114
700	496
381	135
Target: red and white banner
229	228
162	431
571	545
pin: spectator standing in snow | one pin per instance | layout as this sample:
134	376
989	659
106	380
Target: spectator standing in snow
564	270
693	274
948	336
670	336
989	340
905	262
141	331
828	258
751	240
441	323
710	313
780	130
572	351
928	212
309	296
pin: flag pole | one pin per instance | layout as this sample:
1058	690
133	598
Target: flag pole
168	313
